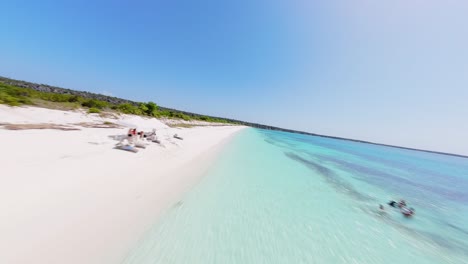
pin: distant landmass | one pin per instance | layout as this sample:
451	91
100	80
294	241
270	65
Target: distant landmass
116	100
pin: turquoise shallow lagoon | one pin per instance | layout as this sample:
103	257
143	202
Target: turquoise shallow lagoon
275	197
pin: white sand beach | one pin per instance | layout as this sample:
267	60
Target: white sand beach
70	197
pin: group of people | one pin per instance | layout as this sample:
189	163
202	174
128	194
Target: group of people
140	139
404	209
136	138
132	134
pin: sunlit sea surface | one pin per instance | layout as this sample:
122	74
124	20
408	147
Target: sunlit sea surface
275	197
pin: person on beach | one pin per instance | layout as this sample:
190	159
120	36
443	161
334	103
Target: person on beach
131	136
142	135
392	203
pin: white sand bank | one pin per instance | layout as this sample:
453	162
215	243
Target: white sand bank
69	197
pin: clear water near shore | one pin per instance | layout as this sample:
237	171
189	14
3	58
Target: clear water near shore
275	197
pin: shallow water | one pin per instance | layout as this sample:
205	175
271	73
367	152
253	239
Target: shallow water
275	197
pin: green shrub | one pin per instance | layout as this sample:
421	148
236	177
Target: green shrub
75	99
152	109
5	98
13	96
25	100
142	108
53	97
164	113
93	103
182	116
129	109
93	110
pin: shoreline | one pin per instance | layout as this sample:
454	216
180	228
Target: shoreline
69	197
85	94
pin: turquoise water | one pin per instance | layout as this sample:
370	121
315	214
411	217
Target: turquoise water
275	197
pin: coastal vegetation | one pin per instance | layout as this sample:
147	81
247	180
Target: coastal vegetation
93	110
16	96
16	93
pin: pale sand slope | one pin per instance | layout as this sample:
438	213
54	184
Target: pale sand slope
69	197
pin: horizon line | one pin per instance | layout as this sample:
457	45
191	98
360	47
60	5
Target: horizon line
258	125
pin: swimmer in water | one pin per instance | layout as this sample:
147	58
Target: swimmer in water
402	204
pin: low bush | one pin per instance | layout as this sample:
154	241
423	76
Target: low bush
94	110
129	109
93	103
8	99
12	96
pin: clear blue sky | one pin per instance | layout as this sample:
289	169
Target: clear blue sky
394	72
